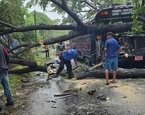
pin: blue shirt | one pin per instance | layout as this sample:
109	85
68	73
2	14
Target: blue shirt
112	48
70	54
14	44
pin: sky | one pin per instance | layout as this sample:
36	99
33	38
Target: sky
51	15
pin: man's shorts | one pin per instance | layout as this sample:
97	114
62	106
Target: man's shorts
111	64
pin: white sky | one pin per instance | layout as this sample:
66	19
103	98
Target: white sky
51	15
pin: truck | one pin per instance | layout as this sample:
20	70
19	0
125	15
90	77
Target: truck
90	46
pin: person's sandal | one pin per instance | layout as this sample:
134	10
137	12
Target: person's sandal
107	83
113	81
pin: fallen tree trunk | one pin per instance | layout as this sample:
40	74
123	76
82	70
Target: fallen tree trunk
121	73
23	62
29	69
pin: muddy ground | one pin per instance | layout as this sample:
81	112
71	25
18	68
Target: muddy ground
74	97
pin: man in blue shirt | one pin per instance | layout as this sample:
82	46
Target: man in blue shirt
111	60
65	59
14	44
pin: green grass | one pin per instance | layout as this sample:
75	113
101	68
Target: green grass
52	52
15	80
41	59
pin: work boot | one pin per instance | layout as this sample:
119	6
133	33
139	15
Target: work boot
10	103
70	76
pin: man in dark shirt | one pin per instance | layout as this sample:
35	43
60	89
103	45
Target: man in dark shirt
60	47
4	78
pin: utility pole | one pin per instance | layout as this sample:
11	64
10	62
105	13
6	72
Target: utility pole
35	31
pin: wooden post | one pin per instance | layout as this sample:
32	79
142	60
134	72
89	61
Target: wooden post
35	30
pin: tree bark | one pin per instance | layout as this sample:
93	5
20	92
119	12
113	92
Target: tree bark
121	73
37	27
23	62
29	69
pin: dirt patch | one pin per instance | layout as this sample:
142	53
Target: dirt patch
130	90
124	97
84	83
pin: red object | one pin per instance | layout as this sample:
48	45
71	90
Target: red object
138	58
6	55
104	13
5	51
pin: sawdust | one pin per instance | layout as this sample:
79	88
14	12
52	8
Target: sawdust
84	83
128	90
130	93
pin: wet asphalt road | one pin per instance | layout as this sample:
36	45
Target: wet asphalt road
126	97
42	101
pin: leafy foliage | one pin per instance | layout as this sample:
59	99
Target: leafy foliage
85	9
138	11
40	19
12	11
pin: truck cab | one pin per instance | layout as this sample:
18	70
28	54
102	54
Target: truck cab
91	46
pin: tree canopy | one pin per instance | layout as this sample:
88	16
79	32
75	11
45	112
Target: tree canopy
85	9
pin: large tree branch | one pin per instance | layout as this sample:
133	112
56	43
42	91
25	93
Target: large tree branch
121	73
29	69
48	41
38	27
21	51
24	47
115	28
86	2
69	12
23	62
8	25
4	42
102	30
64	2
122	27
20	46
62	38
